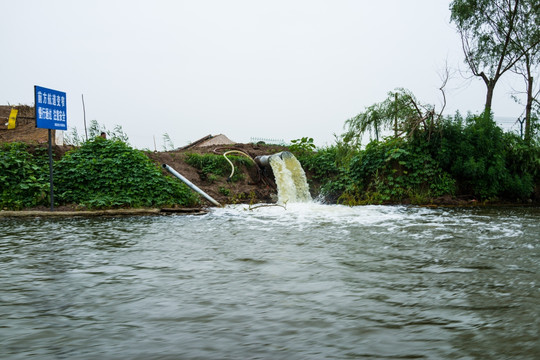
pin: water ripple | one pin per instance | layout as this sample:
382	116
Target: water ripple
307	282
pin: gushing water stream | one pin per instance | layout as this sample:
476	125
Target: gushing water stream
290	179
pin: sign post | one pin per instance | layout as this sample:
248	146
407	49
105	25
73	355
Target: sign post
50	114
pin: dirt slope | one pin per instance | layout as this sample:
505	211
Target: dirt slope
26	130
251	189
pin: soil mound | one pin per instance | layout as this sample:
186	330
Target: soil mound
25	130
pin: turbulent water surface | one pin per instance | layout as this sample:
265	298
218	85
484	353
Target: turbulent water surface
307	282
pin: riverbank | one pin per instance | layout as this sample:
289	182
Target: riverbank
101	213
206	167
28	214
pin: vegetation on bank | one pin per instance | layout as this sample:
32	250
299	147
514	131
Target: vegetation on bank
448	158
214	166
109	173
23	176
99	174
429	156
455	158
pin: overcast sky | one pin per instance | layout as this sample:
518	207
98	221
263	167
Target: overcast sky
246	68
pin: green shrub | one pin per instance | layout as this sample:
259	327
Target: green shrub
458	156
324	167
523	165
224	191
109	173
395	170
24	177
302	146
486	162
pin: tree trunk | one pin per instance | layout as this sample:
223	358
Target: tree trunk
489	96
528	108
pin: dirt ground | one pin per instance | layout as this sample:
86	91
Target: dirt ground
255	187
26	130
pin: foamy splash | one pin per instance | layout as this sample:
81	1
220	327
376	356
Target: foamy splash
389	221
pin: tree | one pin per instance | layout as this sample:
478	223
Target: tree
529	64
94	130
400	112
371	120
491	33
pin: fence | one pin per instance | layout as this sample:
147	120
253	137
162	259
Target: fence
256	140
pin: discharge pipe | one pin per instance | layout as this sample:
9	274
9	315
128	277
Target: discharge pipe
191	185
264	160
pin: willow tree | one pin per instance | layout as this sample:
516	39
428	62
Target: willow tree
491	31
400	112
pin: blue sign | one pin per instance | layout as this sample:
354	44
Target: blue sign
50	108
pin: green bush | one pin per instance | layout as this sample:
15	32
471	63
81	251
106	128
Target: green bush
469	157
109	174
24	177
486	162
394	170
523	164
325	167
432	156
302	146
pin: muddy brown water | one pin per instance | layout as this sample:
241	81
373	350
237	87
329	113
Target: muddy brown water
307	282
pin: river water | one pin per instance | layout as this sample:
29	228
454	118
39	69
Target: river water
307	282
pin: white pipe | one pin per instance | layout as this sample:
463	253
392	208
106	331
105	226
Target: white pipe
191	185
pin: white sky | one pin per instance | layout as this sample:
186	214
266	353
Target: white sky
246	68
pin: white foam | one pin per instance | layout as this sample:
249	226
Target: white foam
435	224
315	213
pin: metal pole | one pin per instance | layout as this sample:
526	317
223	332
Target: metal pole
84	114
395	116
51	170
